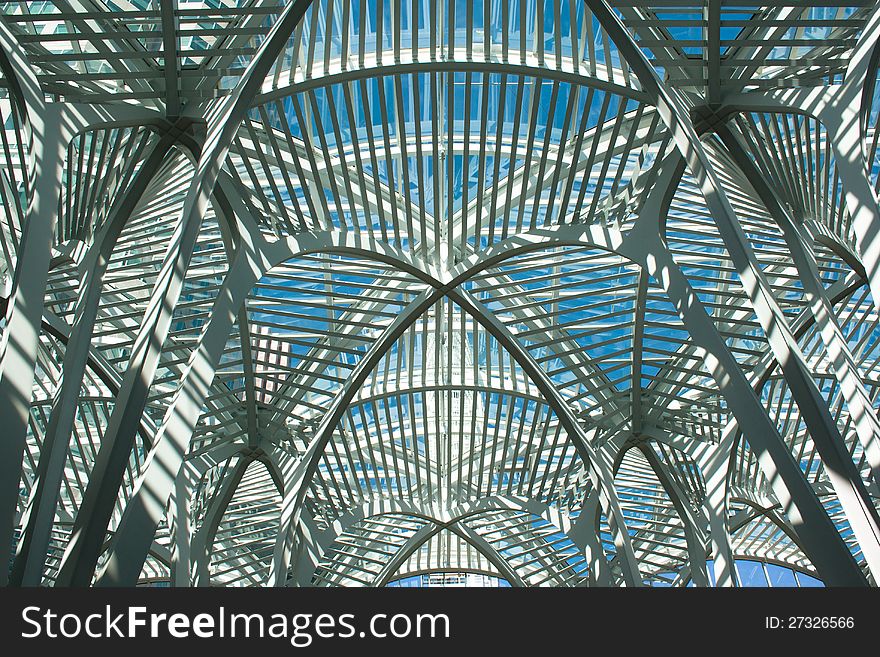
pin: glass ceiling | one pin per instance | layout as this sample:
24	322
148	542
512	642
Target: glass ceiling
347	293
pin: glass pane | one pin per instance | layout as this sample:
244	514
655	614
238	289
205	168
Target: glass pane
751	574
780	576
807	581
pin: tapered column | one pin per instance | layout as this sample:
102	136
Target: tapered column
90	527
53	126
204	538
39	515
824	544
147	503
839	467
846	370
107	472
693	532
585	530
839	562
181	558
820	537
713	459
21	335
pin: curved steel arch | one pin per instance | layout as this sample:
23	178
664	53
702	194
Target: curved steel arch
461	272
433	528
631	183
448	520
244	273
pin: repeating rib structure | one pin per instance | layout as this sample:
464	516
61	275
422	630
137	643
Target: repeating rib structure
384	292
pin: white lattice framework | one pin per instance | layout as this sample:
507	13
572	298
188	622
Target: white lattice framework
344	292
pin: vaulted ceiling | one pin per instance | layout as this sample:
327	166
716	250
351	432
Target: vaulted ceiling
340	293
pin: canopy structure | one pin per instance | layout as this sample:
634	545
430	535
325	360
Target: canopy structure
436	292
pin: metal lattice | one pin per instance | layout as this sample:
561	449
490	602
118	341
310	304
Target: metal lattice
527	293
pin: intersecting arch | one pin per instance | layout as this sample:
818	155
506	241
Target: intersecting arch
421	182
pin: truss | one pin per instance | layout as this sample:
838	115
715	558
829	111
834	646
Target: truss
334	293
